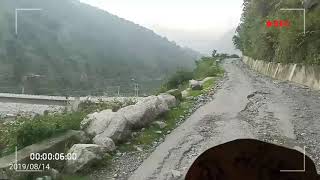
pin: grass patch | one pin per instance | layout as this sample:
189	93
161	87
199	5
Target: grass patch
194	93
206	67
25	131
174	114
209	84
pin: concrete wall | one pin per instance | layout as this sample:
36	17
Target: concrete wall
301	74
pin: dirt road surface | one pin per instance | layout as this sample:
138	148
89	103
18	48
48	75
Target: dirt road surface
247	106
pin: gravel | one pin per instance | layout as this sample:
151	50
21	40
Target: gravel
248	105
303	105
123	165
14	109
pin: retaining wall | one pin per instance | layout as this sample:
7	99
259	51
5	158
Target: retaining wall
301	74
55	145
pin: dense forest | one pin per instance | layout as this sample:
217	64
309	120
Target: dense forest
70	48
280	44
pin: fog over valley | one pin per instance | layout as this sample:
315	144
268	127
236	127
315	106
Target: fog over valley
196	24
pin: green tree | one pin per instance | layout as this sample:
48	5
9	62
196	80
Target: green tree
286	45
214	52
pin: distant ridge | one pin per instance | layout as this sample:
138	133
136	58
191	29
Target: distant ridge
77	48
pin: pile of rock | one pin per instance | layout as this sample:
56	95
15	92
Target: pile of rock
107	128
195	85
86	155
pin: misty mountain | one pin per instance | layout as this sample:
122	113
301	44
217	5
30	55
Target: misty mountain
73	48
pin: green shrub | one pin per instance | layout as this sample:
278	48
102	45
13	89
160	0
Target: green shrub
176	93
25	131
285	45
46	126
206	67
177	79
208	84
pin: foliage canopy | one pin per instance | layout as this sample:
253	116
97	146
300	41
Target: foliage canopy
287	45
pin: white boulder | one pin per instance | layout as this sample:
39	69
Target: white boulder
169	99
118	129
144	112
156	104
106	124
195	85
134	115
97	122
86	155
105	142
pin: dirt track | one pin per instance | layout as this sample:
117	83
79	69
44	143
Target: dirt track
247	106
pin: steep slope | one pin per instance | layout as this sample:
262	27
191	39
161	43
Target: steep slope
78	49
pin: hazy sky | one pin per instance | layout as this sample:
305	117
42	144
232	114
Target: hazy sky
192	23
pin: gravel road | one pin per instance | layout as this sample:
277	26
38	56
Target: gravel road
248	105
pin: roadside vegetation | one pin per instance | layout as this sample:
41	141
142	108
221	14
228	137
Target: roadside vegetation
144	139
280	44
206	86
26	131
205	67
